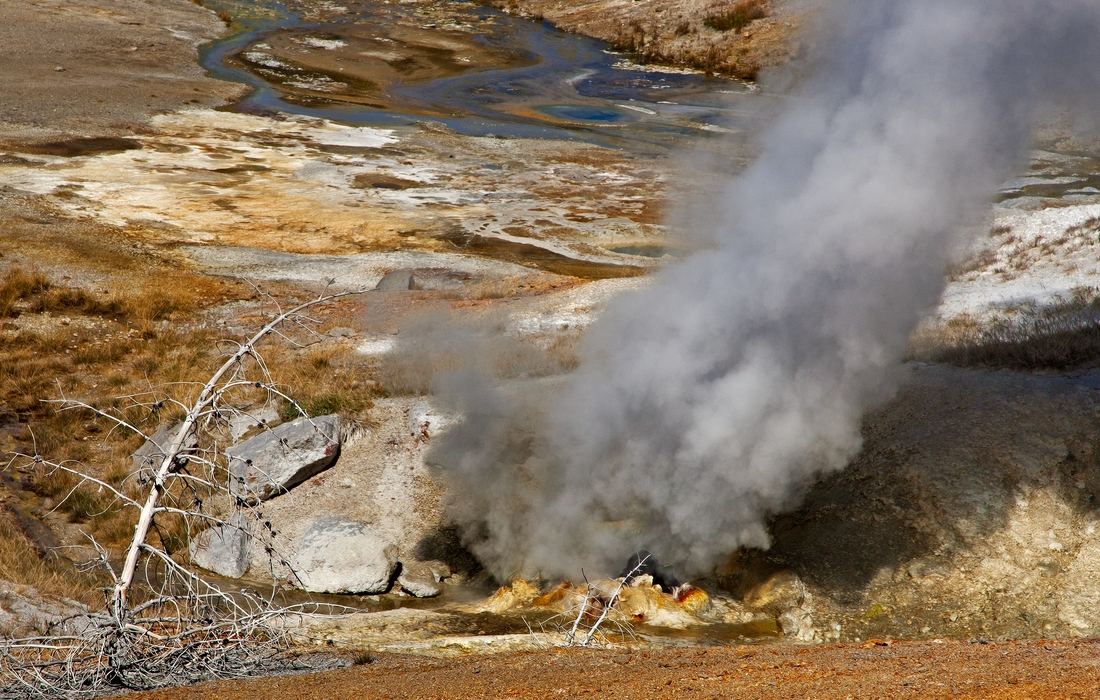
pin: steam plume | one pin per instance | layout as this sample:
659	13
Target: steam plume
712	397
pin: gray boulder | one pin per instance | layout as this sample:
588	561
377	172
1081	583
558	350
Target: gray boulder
421	579
337	555
279	459
150	455
396	281
224	549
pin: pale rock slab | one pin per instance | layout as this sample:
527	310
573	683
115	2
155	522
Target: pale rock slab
224	549
279	459
421	579
338	555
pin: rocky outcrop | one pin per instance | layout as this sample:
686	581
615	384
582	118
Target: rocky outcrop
224	549
25	611
970	513
279	459
338	555
734	38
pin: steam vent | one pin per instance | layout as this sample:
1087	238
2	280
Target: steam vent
550	348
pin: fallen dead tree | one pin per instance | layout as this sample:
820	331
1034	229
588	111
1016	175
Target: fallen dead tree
163	623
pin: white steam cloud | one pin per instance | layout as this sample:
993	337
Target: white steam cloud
712	398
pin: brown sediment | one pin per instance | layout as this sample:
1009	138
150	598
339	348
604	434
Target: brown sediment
541	258
364	64
71	148
102	67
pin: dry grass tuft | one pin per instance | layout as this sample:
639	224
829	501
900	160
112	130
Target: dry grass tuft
1056	336
17	285
974	263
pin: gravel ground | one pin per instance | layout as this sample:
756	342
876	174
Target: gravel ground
938	669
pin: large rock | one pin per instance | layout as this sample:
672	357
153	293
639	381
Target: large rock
396	281
150	455
224	549
337	555
279	459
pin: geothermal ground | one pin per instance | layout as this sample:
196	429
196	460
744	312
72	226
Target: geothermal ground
142	218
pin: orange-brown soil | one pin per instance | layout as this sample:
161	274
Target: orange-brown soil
1032	670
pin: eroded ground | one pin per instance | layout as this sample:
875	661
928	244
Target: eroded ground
938	669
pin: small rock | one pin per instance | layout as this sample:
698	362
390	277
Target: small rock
781	591
224	549
279	459
342	332
150	455
396	281
440	570
797	623
418	579
425	423
337	555
59	69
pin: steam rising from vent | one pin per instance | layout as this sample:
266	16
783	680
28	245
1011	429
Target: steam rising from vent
711	398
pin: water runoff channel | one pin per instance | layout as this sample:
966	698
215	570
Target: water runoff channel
401	65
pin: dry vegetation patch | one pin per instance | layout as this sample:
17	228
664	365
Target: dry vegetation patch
1061	335
736	17
730	37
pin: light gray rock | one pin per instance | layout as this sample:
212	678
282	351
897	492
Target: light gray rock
224	549
419	579
396	281
151	454
338	555
279	459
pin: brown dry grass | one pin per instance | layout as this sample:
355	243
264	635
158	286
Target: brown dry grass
20	564
326	378
1056	336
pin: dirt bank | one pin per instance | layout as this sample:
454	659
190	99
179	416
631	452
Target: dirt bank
1018	670
716	36
101	67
